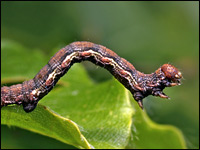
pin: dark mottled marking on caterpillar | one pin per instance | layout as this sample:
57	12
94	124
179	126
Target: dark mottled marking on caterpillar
139	84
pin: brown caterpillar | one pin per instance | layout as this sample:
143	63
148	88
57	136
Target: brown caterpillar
139	84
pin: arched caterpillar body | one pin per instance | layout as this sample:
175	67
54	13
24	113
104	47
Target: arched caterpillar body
139	84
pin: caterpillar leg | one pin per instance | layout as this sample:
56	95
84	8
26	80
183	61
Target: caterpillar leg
160	94
140	103
138	96
28	107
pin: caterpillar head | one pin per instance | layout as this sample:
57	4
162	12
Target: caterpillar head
172	74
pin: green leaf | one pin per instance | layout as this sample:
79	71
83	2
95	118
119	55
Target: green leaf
46	123
18	138
145	134
82	113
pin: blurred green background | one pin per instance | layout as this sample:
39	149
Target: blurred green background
147	34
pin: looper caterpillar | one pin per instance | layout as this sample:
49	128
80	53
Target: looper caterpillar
139	84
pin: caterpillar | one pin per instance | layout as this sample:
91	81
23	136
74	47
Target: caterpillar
139	84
